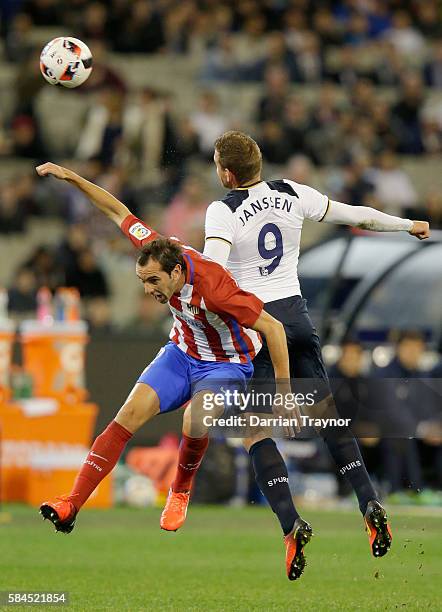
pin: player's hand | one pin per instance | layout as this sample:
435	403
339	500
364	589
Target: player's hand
420	229
287	409
50	168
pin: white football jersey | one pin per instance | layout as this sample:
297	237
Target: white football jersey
263	224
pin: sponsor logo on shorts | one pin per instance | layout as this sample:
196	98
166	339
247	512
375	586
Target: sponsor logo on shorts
139	231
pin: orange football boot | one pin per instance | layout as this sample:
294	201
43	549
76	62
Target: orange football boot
378	529
61	513
294	544
175	510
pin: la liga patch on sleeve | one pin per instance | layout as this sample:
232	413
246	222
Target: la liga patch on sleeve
139	231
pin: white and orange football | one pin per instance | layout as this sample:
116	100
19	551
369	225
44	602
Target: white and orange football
66	61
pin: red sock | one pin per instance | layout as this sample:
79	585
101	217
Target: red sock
101	460
192	451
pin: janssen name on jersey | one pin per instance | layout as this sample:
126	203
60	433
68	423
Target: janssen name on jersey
265	203
263	224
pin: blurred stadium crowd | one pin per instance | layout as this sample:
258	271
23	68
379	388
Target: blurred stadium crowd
327	109
343	95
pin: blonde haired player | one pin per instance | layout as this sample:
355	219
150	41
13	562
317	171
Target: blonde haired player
255	231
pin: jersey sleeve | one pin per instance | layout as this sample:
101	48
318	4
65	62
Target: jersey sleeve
313	204
137	231
220	222
222	295
218	250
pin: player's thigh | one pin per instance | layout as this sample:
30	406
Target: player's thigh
215	387
302	339
263	367
201	414
307	368
221	378
140	406
168	375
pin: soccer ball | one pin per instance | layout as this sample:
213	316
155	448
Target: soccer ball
139	491
66	61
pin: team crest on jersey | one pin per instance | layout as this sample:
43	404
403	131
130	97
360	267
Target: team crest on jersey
193	309
139	231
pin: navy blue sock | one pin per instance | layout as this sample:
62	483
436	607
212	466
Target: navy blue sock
348	458
272	477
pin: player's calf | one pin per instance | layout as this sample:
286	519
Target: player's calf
194	443
190	456
141	405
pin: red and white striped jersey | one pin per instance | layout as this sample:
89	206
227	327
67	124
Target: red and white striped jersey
212	315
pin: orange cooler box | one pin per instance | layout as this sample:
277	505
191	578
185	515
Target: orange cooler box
47	484
43	445
54	355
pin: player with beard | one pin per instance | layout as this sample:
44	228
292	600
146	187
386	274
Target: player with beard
215	336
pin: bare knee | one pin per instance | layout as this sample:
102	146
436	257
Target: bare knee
129	416
254	438
141	405
326	408
187	419
200	413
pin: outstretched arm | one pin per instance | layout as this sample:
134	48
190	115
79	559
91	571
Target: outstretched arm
104	201
375	220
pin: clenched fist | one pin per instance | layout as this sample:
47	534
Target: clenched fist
420	229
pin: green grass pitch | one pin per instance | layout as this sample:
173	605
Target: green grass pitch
223	559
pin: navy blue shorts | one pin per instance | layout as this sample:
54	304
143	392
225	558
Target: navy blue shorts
307	369
176	377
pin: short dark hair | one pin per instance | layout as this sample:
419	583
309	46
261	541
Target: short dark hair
240	154
166	252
